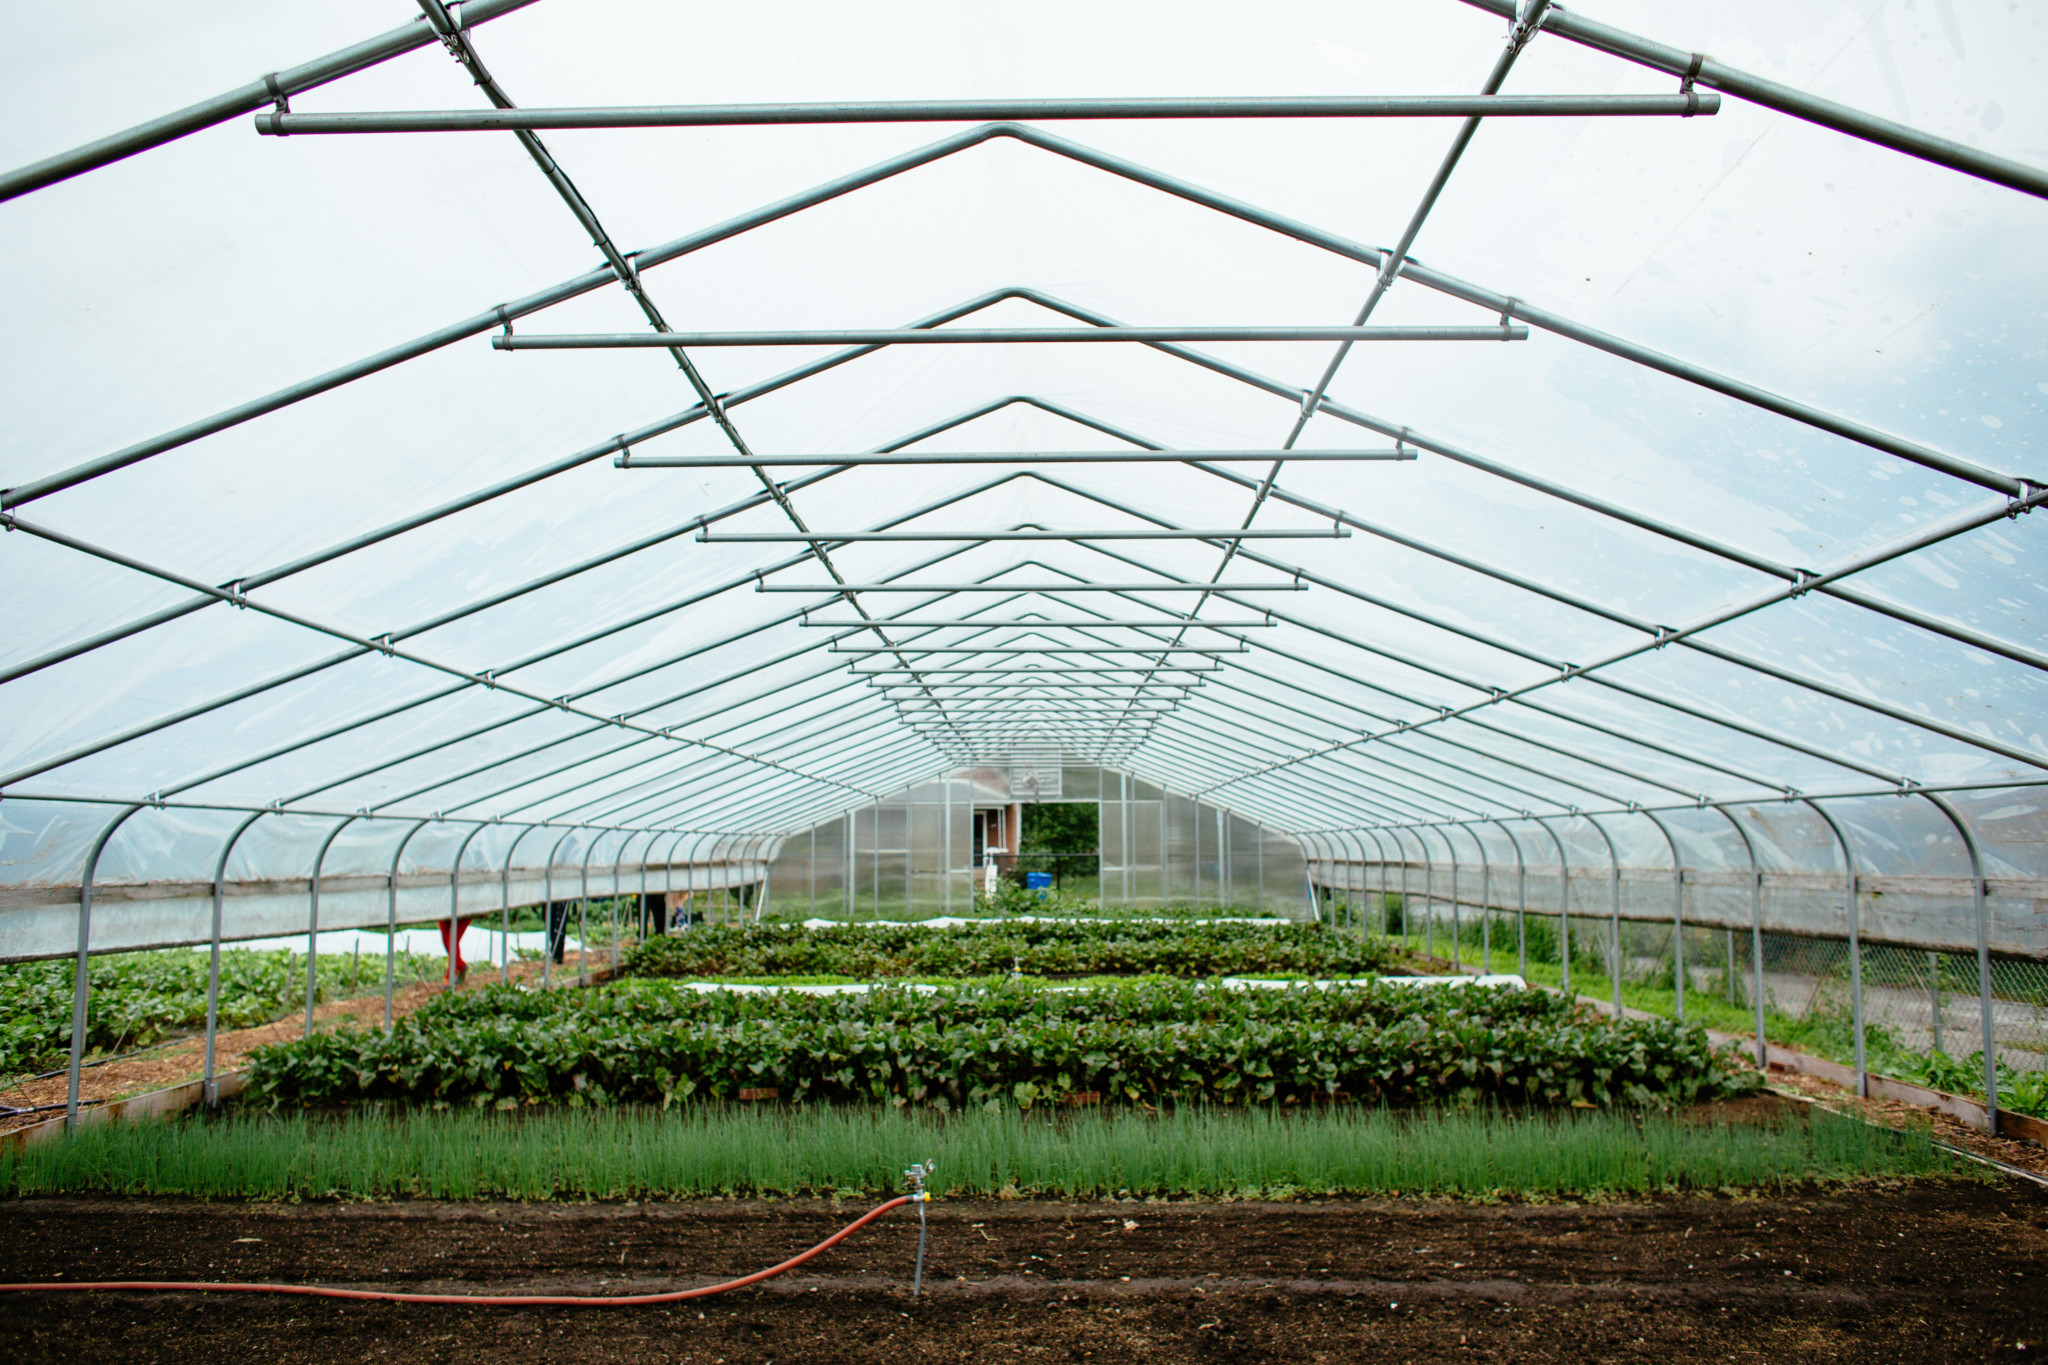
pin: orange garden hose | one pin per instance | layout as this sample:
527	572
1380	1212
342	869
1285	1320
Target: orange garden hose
506	1300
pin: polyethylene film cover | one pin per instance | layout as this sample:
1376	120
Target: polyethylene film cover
420	615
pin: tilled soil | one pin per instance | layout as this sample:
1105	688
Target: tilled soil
1930	1271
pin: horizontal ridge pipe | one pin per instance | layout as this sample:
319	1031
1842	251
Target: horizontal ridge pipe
853	537
942	588
1029	625
241	100
276	123
1703	70
980	336
628	460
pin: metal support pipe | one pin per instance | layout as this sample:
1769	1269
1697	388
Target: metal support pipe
1485	905
1982	913
505	909
1756	936
1855	913
391	923
207	1095
839	589
1696	68
313	920
987	336
1457	925
1614	913
547	956
1564	906
274	88
626	459
991	537
1677	915
1521	903
284	123
455	903
81	980
583	916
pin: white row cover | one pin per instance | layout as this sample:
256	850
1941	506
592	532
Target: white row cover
1745	520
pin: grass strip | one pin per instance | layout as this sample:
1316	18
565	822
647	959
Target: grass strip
861	1152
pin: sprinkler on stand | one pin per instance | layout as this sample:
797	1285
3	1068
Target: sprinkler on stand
915	1178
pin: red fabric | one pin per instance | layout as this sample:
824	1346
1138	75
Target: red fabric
454	949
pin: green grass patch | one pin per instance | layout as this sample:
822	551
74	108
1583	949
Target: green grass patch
861	1152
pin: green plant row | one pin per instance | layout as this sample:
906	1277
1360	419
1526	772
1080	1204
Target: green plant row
1107	948
143	998
1003	1045
860	1153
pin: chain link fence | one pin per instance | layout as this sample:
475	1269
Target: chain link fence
1923	1013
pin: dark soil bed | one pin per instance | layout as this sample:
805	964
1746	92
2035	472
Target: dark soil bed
1936	1271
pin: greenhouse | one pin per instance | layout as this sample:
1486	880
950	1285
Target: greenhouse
1501	490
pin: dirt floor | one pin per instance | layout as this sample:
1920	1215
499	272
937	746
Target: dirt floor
184	1061
1920	1272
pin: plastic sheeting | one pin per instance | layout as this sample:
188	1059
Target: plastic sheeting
1608	583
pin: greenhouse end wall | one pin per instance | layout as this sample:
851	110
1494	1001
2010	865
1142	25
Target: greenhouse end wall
910	855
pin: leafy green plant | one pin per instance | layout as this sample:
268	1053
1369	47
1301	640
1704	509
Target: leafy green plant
143	998
1003	1045
1106	947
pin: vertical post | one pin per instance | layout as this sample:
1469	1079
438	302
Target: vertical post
1485	906
1165	858
1387	878
1428	892
878	858
1196	821
1521	903
1259	862
1756	937
1564	905
391	924
1457	918
505	910
1128	838
220	871
618	863
81	981
668	884
313	922
1407	910
1677	917
812	863
583	914
1934	990
1225	883
1984	1021
455	903
1729	975
946	845
547	956
1614	914
1855	945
